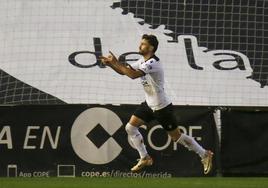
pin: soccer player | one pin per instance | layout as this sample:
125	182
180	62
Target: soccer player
156	105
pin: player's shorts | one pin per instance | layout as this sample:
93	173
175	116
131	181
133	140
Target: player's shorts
164	116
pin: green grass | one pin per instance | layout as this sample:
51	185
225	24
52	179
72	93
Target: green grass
134	182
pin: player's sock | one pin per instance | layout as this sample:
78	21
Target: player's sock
137	139
191	144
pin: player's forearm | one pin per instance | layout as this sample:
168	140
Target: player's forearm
116	69
127	71
124	70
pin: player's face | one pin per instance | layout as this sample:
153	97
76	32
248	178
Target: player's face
145	48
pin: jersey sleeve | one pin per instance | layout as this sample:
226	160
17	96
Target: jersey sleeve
149	66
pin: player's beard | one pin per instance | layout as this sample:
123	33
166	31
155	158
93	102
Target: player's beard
142	52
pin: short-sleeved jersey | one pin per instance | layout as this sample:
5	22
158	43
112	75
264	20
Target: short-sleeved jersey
153	82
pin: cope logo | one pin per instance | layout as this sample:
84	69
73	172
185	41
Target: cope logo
91	135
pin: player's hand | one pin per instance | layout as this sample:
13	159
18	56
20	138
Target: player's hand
105	60
110	59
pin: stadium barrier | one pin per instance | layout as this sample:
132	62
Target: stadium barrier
244	139
90	140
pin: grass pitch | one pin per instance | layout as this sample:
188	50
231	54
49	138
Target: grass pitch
206	182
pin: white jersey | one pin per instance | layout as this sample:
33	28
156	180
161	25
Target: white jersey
153	82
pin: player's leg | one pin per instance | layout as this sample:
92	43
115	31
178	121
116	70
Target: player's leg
140	116
190	143
167	119
132	129
187	141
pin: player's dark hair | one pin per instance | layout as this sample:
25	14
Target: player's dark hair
152	40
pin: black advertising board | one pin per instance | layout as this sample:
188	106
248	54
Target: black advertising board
90	140
244	142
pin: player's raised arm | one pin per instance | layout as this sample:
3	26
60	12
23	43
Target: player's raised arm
110	61
120	68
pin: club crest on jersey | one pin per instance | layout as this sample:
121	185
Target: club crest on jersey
149	67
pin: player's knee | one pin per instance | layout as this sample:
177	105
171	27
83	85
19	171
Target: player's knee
130	129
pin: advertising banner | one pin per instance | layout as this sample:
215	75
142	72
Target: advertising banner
90	140
212	52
